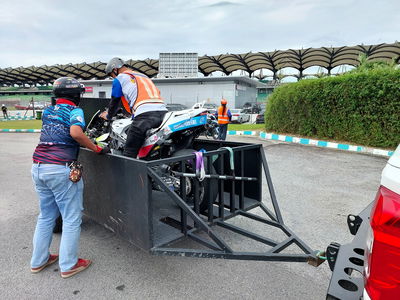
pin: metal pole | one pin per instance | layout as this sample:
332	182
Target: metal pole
221	188
183	193
241	194
271	187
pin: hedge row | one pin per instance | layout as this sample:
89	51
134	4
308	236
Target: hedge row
360	108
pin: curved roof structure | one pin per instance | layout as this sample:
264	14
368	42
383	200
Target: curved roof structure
274	61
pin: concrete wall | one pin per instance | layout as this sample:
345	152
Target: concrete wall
97	87
245	94
191	93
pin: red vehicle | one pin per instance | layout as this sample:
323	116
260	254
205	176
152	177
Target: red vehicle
38	106
374	254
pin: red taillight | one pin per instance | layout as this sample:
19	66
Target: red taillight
382	274
236	115
385	217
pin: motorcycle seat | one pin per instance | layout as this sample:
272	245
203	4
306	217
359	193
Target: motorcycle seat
154	130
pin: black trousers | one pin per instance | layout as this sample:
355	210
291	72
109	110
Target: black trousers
223	128
137	130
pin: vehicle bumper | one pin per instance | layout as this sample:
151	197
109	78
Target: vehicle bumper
347	281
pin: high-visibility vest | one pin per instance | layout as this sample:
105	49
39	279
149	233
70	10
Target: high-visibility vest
223	118
147	92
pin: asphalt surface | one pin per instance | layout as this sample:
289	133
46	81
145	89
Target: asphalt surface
316	188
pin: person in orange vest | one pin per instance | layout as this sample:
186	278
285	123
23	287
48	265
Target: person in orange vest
224	116
139	97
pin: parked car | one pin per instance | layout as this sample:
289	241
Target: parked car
211	107
260	117
369	266
175	107
251	108
36	105
239	117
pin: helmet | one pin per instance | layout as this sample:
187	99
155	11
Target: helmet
68	88
114	63
224	102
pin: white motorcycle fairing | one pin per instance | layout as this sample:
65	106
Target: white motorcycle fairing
172	122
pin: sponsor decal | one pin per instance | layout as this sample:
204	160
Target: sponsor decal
193	122
151	140
88	89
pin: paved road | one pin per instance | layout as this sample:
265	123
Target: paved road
316	189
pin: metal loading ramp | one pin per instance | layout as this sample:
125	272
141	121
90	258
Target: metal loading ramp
120	195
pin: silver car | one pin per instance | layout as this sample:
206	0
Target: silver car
239	117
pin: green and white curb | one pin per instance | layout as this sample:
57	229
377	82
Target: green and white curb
312	142
20	130
279	137
242	132
326	144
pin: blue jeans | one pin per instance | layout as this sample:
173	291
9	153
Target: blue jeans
57	194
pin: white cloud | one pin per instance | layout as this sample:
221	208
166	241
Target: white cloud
51	32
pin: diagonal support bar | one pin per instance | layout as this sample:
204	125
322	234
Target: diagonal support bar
189	211
235	255
246	233
271	187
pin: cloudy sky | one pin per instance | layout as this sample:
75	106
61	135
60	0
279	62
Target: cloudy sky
56	32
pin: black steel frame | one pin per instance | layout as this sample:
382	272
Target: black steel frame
204	222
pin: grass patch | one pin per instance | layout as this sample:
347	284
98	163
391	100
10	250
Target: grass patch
255	127
23	124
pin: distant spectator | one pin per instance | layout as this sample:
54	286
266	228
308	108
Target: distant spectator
4	109
224	116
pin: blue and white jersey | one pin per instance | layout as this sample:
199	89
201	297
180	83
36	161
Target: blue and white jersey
56	144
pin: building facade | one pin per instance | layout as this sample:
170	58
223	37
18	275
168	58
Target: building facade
178	65
188	91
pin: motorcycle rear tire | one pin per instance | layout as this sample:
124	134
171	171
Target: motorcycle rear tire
215	133
209	184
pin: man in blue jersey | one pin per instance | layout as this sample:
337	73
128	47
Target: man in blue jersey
61	135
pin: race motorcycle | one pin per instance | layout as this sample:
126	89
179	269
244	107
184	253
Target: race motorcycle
174	137
212	127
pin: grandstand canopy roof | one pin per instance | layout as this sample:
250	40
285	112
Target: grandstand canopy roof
301	59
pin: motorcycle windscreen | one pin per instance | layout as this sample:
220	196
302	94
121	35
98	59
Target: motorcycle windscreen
101	140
